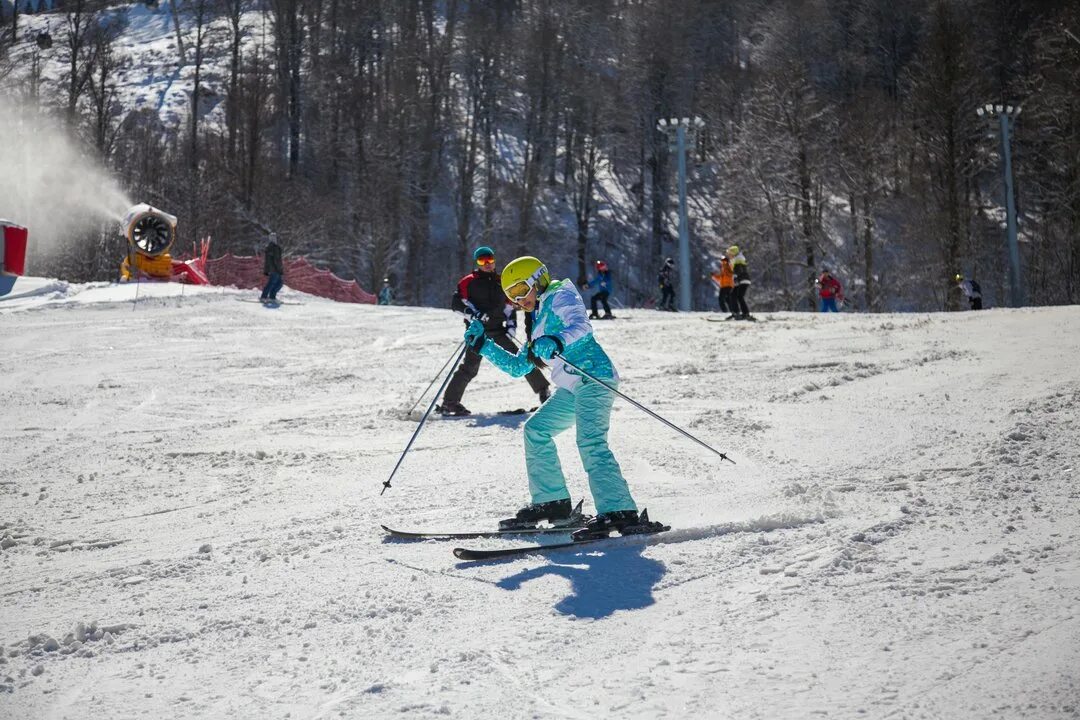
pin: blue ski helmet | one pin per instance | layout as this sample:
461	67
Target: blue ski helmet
482	251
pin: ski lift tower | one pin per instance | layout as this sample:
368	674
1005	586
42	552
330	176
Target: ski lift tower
682	136
1006	117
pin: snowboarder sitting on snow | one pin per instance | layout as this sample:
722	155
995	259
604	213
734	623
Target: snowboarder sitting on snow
480	294
830	291
739	308
561	327
667	286
725	280
971	290
274	269
602	282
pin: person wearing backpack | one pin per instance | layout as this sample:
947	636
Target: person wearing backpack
971	290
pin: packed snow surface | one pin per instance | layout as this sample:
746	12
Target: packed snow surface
190	511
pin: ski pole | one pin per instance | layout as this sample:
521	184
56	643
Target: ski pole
437	376
639	406
422	421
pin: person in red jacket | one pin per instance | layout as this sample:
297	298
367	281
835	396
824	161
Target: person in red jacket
830	291
480	295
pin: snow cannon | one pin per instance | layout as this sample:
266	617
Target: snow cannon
150	233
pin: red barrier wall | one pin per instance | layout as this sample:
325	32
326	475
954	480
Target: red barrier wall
246	272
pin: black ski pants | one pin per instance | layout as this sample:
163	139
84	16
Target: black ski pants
739	299
667	297
727	304
598	298
468	368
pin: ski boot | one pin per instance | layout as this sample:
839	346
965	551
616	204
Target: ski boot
593	316
608	316
559	513
626	522
544	395
452	408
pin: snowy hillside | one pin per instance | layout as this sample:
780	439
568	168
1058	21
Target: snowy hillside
150	75
190	518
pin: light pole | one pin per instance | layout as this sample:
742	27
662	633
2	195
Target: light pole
1006	116
682	135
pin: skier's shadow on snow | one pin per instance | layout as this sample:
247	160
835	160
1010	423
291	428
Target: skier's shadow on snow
616	579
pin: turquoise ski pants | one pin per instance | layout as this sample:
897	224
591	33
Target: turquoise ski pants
589	406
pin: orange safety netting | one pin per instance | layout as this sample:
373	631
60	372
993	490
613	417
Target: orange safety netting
246	272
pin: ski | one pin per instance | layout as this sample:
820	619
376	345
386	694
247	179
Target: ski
726	319
471	534
519	411
645	528
575	522
514	411
473	554
275	302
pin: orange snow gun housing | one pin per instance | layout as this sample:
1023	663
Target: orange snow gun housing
150	233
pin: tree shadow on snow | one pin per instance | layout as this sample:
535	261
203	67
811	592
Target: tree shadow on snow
616	579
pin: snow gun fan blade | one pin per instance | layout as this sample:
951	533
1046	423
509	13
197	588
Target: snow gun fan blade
151	234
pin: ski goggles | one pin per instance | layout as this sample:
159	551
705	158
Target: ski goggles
485	260
518	291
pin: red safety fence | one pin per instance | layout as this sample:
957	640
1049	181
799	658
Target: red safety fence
246	272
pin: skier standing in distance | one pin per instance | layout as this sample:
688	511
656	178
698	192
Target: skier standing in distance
725	280
386	293
561	327
273	269
830	291
971	290
480	294
739	308
667	286
602	282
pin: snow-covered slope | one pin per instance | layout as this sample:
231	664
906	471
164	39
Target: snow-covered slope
190	507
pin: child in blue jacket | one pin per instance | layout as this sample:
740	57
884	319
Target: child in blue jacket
561	327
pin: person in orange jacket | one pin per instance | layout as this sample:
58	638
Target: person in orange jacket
725	280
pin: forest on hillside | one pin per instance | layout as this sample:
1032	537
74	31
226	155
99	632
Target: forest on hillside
391	137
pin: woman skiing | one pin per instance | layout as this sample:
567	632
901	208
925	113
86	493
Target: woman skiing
561	329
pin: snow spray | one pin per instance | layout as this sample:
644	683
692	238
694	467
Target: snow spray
48	183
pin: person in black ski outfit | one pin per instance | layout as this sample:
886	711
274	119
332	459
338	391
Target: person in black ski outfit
971	290
667	286
274	269
742	284
479	294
